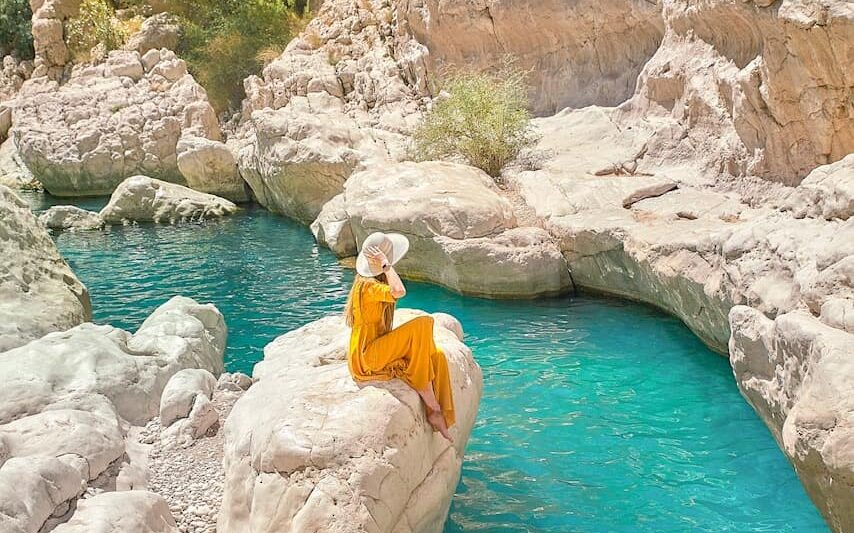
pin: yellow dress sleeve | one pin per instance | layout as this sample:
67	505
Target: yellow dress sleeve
379	292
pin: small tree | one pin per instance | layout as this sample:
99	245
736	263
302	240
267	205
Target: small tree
484	120
16	28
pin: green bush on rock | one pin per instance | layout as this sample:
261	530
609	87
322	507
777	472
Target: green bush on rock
224	41
96	24
16	36
484	120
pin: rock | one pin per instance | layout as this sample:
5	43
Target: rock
236	381
208	166
181	392
48	25
111	121
299	157
134	511
306	447
332	228
201	419
69	217
13	172
463	233
31	488
796	372
132	370
158	31
827	192
38	291
141	198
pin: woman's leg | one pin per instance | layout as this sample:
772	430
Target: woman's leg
411	351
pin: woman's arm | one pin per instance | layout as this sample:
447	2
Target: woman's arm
394	281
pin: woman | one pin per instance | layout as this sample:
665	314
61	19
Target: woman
378	352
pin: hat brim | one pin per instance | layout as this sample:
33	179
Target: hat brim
399	246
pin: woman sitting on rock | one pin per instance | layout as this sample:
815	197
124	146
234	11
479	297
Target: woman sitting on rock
378	352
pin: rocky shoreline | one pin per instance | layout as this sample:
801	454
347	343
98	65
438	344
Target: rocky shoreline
694	156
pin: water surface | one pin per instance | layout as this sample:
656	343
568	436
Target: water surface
598	415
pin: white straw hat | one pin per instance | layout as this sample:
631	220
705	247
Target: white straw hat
393	245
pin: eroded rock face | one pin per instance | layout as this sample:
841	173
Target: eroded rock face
463	233
110	121
38	291
796	372
158	31
578	53
308	449
13	172
141	198
65	405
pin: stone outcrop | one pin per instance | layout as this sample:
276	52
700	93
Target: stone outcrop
141	199
69	217
796	372
38	291
463	233
186	411
308	449
158	31
13	172
133	511
209	166
65	405
113	120
49	18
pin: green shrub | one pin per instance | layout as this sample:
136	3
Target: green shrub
225	41
95	23
16	36
484	120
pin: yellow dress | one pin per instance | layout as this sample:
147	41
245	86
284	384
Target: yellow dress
407	352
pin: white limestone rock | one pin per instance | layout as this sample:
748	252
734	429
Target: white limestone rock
32	488
111	121
827	192
133	511
141	199
181	392
235	382
209	166
129	370
158	31
69	217
796	372
299	157
463	233
13	172
308	449
38	291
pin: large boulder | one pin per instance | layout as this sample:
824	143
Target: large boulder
309	449
133	511
209	166
300	156
131	370
827	192
158	31
463	233
38	291
796	372
112	120
65	406
13	172
141	198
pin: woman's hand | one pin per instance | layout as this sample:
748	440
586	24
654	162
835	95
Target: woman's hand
378	257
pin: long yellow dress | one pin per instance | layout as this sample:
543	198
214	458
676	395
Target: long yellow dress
407	352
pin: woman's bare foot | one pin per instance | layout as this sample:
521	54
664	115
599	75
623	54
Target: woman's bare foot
437	420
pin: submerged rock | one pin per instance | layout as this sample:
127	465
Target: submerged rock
796	372
463	233
38	291
69	217
141	198
308	449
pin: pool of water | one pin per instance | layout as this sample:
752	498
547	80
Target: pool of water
597	414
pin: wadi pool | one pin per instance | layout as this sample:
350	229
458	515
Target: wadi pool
597	415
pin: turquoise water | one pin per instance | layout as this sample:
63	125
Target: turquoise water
597	415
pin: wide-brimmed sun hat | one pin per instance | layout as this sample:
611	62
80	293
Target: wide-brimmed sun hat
393	245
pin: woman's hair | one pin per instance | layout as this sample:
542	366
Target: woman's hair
358	285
